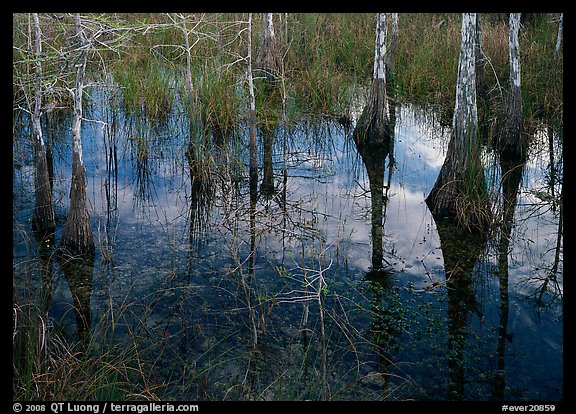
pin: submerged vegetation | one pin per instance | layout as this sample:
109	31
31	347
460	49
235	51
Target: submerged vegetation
176	86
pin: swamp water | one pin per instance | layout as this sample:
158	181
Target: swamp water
231	293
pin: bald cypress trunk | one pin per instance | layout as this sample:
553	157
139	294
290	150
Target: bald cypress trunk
77	237
373	122
373	139
513	141
268	59
459	192
43	221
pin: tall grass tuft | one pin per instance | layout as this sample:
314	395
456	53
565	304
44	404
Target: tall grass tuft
325	54
147	89
48	365
218	98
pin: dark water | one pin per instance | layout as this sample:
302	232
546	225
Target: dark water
230	294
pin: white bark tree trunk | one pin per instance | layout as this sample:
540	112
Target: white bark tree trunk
252	100
78	93
465	119
514	52
371	128
559	38
188	48
380	48
513	142
373	139
459	190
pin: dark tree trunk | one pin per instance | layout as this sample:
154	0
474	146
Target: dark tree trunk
43	221
459	192
49	128
80	274
77	237
513	144
461	252
511	179
374	162
267	187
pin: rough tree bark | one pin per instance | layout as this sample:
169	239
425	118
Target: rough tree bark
459	192
372	124
77	237
513	141
43	221
268	59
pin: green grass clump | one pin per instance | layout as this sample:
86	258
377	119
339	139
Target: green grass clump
147	88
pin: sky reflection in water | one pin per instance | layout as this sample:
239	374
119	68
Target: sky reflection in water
183	285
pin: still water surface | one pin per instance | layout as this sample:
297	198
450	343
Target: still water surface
229	295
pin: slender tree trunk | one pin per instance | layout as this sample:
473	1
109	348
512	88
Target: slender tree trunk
249	380
513	141
188	62
511	178
460	190
193	116
253	180
43	221
252	107
559	38
393	46
390	54
49	128
77	237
